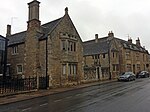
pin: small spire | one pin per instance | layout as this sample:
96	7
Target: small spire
66	10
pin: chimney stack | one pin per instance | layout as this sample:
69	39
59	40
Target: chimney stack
111	34
96	38
130	40
33	19
138	42
8	30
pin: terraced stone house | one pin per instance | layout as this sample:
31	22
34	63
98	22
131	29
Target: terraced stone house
105	58
54	49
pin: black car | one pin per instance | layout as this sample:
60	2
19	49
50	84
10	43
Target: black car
127	76
143	74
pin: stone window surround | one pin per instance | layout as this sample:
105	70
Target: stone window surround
15	50
17	66
68	45
70	67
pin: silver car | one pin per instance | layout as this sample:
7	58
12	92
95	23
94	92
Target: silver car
127	76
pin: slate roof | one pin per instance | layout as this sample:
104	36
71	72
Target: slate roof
131	46
91	48
102	46
45	29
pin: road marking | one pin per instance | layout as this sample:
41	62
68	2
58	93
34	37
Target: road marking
77	94
26	109
68	97
57	100
44	104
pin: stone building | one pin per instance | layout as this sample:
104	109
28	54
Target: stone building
54	49
107	57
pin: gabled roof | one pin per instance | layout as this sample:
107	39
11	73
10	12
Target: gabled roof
45	29
131	46
102	46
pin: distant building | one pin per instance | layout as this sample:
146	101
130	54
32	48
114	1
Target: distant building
54	49
107	57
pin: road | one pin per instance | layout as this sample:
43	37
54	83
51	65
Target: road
116	96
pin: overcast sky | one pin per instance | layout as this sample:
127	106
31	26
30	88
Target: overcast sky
123	17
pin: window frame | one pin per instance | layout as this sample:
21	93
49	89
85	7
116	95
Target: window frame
15	50
19	72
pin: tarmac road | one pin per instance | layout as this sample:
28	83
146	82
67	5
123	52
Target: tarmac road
116	96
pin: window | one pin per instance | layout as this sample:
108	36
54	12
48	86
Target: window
68	45
72	68
103	55
128	55
113	54
137	56
128	67
114	67
2	45
64	69
138	67
71	46
19	69
63	45
14	49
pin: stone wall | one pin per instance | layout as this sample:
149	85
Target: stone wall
57	57
15	59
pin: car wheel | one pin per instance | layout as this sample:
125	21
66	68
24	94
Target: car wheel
129	79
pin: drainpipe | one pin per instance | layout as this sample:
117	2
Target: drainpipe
109	59
47	62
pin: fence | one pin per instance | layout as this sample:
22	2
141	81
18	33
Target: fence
14	85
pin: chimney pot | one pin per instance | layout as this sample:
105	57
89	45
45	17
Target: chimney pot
96	38
138	42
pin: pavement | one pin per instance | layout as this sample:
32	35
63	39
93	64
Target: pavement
7	99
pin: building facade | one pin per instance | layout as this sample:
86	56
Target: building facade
3	56
53	49
105	58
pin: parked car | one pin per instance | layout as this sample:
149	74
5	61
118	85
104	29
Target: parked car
127	76
143	74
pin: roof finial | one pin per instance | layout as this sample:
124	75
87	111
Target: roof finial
66	10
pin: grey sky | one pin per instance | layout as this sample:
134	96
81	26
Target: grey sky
123	17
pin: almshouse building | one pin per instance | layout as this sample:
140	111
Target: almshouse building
54	49
107	57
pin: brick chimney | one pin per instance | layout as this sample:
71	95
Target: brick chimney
33	17
8	30
96	38
138	42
